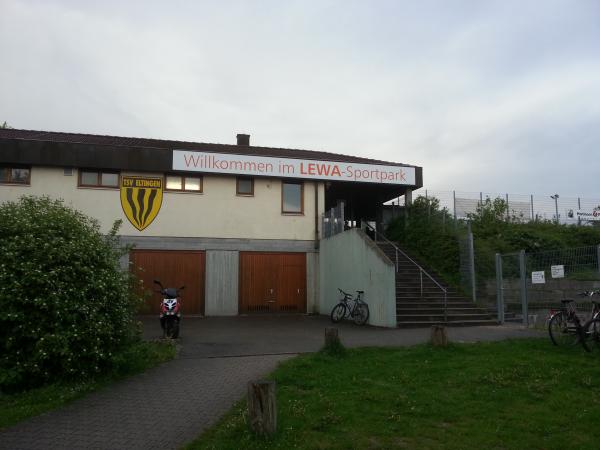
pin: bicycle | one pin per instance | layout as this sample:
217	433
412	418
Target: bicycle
565	327
358	309
592	326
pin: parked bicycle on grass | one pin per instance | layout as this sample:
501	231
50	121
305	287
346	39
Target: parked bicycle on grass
356	308
565	327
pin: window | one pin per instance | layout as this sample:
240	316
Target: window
98	178
183	183
292	198
14	175
245	186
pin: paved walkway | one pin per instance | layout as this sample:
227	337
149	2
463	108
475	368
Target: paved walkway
172	404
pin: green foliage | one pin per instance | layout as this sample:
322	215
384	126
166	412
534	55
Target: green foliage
515	394
432	235
429	233
5	125
66	304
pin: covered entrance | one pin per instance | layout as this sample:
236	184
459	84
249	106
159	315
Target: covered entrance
272	282
173	269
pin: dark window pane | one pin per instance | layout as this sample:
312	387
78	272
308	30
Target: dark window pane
4	174
245	186
89	178
20	175
110	179
292	197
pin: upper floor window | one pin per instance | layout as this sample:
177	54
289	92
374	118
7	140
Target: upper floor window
245	186
98	178
183	183
292	197
15	175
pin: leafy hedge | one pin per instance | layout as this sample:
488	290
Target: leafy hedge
432	235
66	304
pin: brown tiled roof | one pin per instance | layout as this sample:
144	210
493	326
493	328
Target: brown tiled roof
118	141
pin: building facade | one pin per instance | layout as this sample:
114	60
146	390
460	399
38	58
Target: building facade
239	225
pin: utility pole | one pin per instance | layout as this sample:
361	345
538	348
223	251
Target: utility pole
555	198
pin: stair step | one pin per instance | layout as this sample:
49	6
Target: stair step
462	323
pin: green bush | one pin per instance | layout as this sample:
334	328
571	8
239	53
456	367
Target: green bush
432	235
66	305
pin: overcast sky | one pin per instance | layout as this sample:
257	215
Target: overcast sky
499	96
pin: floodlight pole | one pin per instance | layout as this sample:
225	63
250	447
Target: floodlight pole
555	198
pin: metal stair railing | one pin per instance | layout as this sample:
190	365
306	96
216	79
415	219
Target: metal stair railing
421	270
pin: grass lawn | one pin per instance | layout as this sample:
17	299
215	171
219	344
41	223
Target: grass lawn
516	394
17	407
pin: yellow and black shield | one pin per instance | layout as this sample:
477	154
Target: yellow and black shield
141	199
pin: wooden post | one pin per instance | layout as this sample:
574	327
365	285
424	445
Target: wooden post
262	407
439	336
331	336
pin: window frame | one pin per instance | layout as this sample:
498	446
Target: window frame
237	187
183	189
293	213
98	184
11	167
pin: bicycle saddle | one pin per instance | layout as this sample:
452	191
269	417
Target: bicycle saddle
567	301
361	292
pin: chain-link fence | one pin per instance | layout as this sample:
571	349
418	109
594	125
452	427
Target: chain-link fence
529	285
520	207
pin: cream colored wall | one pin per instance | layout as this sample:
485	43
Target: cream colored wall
218	212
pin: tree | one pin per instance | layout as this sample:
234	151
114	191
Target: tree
5	125
66	304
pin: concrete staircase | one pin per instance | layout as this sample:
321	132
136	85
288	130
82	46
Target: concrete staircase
412	310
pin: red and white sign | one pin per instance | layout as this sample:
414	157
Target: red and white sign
291	168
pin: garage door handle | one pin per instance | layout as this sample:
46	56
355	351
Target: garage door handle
270	301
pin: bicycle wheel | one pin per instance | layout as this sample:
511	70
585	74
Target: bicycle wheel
592	333
562	331
361	314
338	312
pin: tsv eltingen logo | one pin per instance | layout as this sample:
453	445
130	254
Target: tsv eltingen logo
141	199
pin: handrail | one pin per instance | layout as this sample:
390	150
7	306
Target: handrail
421	270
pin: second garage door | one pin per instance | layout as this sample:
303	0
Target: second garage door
272	282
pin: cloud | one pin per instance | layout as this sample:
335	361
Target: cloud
493	96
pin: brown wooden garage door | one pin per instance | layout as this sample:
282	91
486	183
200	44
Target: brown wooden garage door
272	282
173	269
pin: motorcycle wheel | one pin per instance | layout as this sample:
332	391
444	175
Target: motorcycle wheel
175	329
169	328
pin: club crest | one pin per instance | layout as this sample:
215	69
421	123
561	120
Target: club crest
141	199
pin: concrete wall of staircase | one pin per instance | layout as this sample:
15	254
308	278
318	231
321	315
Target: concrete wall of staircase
351	261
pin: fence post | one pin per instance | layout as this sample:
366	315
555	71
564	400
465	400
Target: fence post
454	204
523	272
471	261
532	214
499	289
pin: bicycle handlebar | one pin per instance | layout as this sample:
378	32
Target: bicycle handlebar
589	293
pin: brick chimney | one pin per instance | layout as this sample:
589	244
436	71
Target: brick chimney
243	139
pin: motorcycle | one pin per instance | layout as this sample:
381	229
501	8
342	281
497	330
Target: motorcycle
170	310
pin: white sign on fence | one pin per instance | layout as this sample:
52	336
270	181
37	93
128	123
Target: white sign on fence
590	216
558	271
538	277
